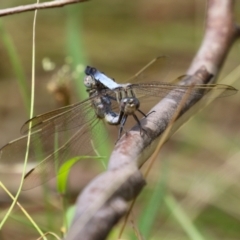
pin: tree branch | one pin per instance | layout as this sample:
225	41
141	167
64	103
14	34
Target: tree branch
104	200
38	6
221	31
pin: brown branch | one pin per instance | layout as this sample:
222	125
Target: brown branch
38	6
104	200
221	32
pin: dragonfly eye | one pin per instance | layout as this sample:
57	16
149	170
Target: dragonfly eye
129	105
89	82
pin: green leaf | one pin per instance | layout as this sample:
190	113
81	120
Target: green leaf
70	215
64	171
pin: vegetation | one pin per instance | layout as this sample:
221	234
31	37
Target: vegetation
193	190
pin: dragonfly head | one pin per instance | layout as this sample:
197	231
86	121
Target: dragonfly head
90	82
129	105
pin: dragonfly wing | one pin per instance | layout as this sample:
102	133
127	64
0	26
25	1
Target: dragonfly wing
69	129
60	119
80	143
169	90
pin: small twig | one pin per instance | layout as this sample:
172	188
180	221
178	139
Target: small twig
36	6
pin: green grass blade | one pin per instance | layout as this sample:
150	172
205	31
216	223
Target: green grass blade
182	218
75	45
148	217
16	65
77	52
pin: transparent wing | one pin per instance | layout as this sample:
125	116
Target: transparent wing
69	130
151	81
169	90
79	144
60	119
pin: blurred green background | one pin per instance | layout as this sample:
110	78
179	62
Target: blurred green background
193	190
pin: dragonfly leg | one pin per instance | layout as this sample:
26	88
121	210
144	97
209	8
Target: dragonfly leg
139	124
150	113
142	113
145	115
122	123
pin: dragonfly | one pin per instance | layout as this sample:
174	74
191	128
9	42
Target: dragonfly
77	129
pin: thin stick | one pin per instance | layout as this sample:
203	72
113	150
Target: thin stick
29	133
36	6
22	209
